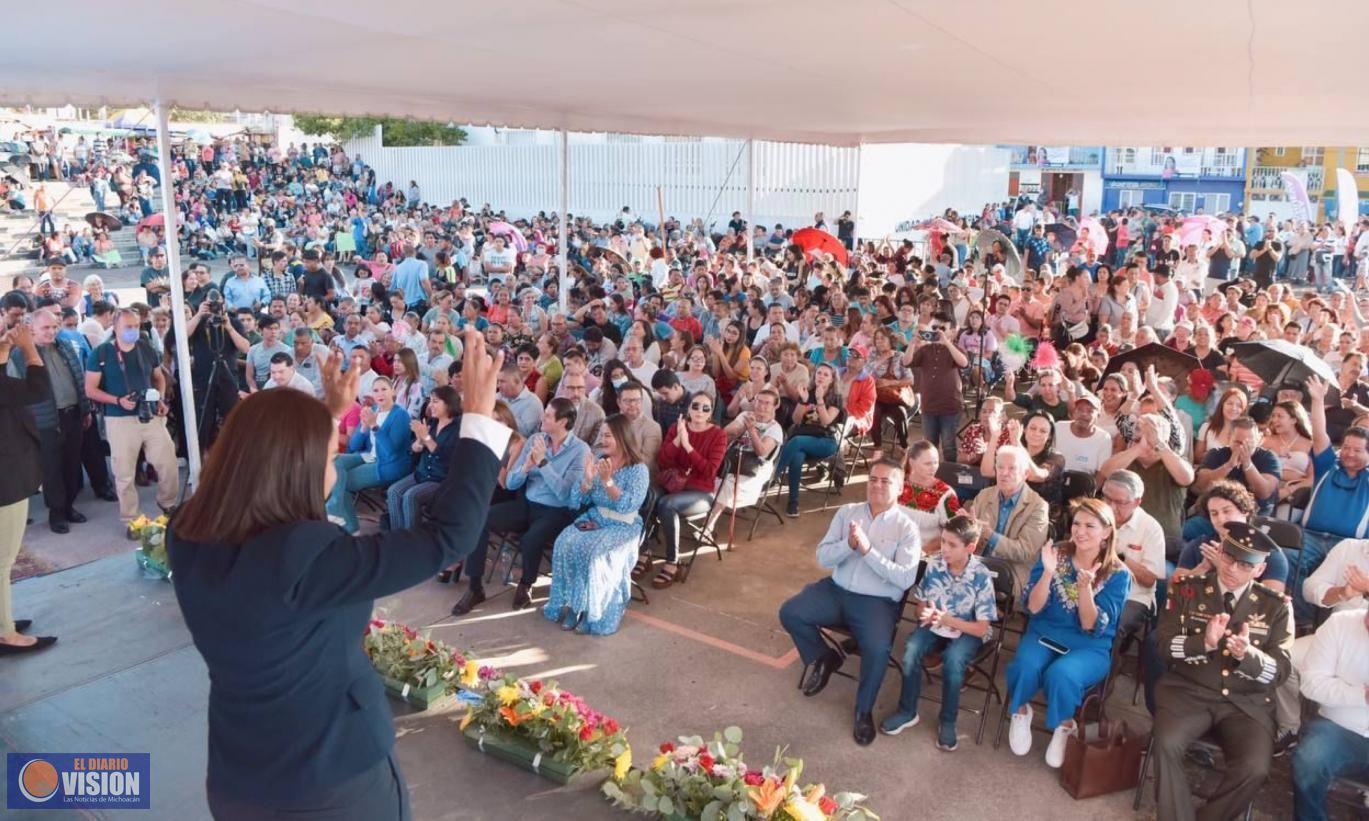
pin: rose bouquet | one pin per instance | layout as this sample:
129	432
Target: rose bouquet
555	726
412	663
692	779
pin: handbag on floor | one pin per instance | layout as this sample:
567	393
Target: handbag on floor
1106	764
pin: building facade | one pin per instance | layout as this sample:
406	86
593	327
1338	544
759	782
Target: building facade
1191	180
1067	177
1316	166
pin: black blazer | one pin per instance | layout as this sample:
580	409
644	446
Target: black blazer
295	707
19	442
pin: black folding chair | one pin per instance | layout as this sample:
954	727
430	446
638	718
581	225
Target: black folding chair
981	674
1097	695
966	479
1207	745
840	640
1079	484
647	512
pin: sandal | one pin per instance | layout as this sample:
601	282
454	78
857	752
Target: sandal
665	577
641	567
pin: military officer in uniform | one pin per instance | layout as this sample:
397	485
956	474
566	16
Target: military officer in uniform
1227	639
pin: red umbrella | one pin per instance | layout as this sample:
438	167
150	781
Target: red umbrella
813	239
157	221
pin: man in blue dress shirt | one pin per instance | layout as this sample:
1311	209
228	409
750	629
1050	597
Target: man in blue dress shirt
873	550
546	471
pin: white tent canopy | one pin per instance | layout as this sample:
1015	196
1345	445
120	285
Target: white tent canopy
974	71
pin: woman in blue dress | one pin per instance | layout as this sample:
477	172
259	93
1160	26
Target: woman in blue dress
1075	598
591	563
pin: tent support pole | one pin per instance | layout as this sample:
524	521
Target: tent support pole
855	212
750	200
170	227
563	227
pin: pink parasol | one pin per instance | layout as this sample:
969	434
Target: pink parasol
1092	233
503	229
1191	229
945	226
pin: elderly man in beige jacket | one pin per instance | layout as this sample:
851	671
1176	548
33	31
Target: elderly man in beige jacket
1014	517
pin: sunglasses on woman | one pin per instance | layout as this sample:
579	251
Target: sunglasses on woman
700	407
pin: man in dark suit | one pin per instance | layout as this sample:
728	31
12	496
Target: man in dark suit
21	475
62	417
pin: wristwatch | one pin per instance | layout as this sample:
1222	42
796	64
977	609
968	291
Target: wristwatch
542	463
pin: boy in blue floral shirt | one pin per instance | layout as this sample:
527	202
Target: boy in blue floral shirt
957	607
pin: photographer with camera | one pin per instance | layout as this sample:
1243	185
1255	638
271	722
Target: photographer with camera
215	341
122	376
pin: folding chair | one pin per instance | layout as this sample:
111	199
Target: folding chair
1097	694
1079	484
1207	744
647	512
1288	536
966	479
981	674
840	640
764	505
854	441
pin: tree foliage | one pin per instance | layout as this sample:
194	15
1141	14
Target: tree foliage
394	132
190	115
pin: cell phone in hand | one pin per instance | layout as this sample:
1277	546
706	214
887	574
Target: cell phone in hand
586	525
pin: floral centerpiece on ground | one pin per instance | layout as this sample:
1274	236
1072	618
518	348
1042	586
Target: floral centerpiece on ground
552	722
151	537
709	781
412	662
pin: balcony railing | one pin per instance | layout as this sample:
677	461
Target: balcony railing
1270	178
1150	162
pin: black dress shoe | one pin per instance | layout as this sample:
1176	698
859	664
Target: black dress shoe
572	624
76	517
864	731
14	649
60	528
820	673
20	625
522	597
468	602
444	577
107	496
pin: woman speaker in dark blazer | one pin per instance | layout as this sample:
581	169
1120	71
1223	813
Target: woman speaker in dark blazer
276	599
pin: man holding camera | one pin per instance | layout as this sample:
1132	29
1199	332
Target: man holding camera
119	374
215	340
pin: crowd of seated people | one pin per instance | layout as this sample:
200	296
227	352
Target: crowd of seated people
704	380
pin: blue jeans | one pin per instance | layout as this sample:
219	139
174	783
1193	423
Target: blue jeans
955	656
1325	751
673	506
353	474
871	620
798	450
1315	546
940	430
405	498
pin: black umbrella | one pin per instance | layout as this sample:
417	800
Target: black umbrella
1167	361
1064	234
101	221
1276	361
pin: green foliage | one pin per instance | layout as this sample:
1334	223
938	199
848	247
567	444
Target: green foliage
394	132
190	115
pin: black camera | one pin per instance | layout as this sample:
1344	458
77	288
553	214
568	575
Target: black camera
145	403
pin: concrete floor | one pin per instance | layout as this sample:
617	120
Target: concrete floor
700	657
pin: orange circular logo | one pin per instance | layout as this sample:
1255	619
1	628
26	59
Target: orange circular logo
38	780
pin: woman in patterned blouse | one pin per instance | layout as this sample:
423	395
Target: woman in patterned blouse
930	502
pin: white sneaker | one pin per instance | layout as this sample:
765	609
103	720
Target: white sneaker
1055	753
1020	732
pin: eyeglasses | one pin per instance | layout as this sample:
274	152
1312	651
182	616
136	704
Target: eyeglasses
700	407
